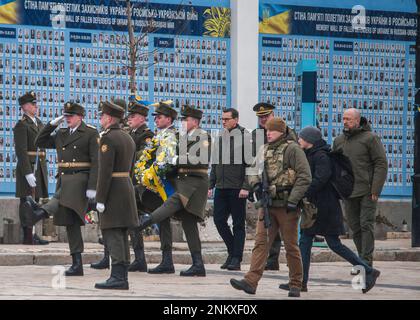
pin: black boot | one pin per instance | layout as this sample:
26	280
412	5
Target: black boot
146	221
166	266
227	262
118	279
197	269
103	263
76	268
139	263
33	212
235	264
27	235
38	240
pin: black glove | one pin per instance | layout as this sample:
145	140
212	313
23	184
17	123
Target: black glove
291	207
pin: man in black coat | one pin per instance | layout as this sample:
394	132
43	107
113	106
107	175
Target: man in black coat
329	218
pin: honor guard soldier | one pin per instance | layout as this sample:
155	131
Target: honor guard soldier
77	156
116	202
191	187
164	116
31	168
265	112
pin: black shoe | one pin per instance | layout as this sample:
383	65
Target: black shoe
118	279
227	262
33	214
285	286
318	239
294	292
101	240
103	263
38	240
272	265
197	269
235	264
139	264
371	280
166	266
76	269
242	285
145	222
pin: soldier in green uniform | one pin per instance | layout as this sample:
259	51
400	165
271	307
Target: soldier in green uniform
77	156
165	116
116	202
265	112
191	187
30	181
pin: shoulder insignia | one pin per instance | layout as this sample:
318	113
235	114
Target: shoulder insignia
104	148
90	126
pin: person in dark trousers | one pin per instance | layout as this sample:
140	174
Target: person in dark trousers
231	192
30	181
329	219
370	168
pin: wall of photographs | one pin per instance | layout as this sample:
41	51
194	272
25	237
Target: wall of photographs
372	74
87	64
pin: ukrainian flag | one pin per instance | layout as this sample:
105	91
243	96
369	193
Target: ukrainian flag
8	12
139	99
274	19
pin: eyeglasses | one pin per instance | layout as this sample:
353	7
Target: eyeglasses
226	119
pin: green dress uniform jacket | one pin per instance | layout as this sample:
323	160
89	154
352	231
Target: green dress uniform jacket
140	137
25	133
116	154
73	180
192	179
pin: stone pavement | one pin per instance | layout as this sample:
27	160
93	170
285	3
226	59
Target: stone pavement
213	252
398	280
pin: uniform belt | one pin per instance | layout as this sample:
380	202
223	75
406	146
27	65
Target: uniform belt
121	174
40	153
74	164
184	170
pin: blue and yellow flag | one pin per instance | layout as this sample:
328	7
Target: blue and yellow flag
8	12
274	19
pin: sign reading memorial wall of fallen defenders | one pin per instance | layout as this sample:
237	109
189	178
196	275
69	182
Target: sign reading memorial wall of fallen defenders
77	50
365	59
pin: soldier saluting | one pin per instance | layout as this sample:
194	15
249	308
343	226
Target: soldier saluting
77	154
29	178
115	198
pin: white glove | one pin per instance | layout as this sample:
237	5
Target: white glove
57	121
90	194
100	207
31	179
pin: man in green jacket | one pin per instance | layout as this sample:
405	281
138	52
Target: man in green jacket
289	176
367	156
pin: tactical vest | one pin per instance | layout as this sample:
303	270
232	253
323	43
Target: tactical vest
278	175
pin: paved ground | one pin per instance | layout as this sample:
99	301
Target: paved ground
398	280
213	252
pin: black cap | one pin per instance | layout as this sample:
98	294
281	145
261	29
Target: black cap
72	108
188	111
27	97
263	108
166	108
135	107
112	109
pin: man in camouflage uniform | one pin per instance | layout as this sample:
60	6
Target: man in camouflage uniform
115	198
265	112
77	154
191	187
289	177
27	182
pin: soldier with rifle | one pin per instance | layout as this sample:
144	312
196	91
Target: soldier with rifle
285	178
